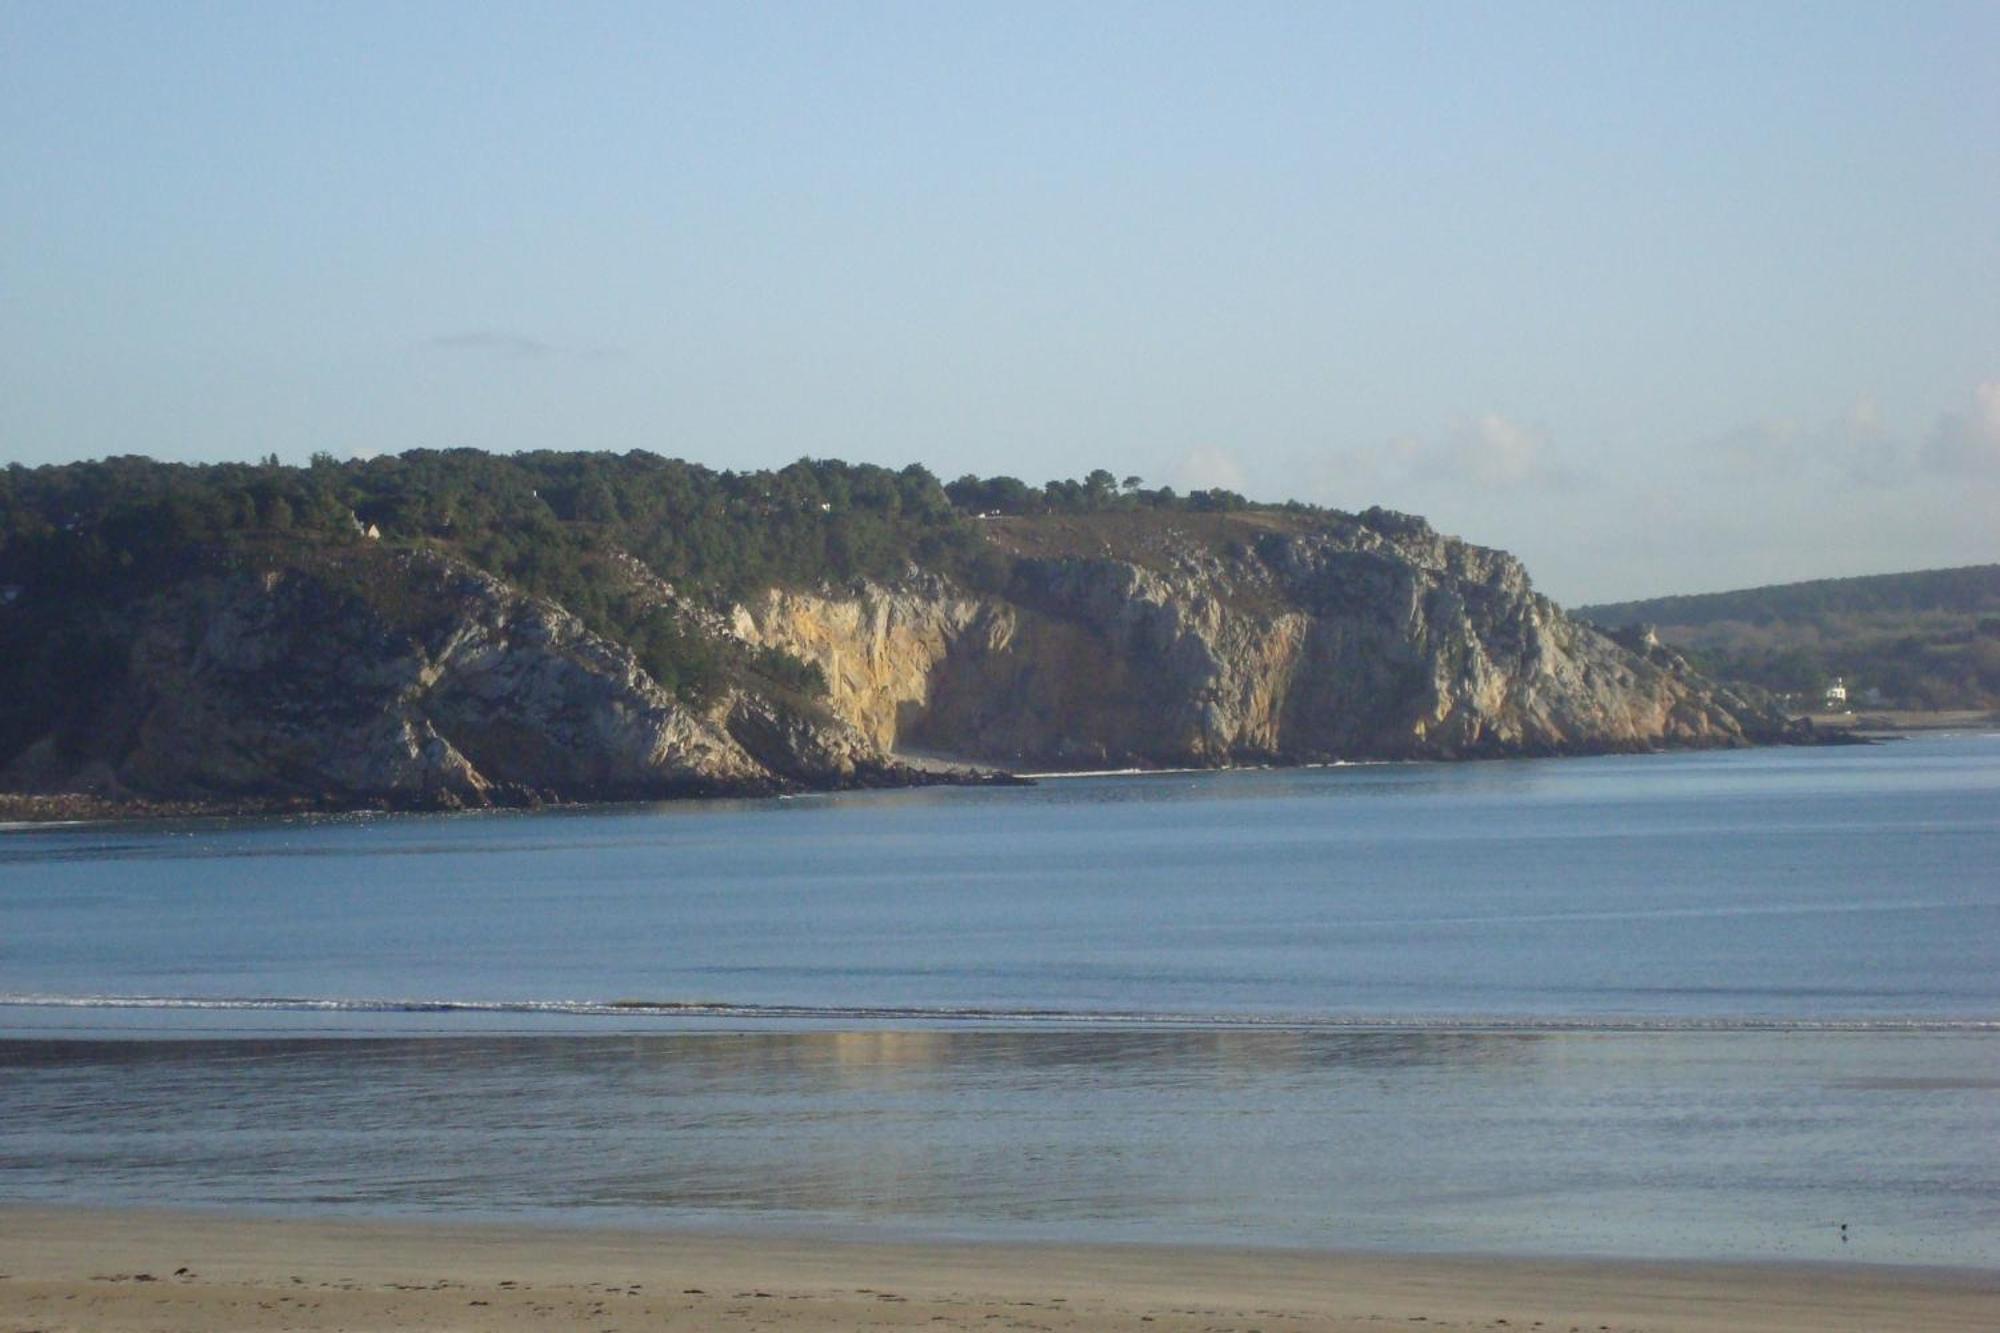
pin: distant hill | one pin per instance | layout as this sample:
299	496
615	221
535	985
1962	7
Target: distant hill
454	628
1971	590
1929	639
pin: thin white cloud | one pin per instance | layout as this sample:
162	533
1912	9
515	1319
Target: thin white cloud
1967	444
1756	449
1856	448
1860	449
1489	452
1873	456
1208	467
1494	452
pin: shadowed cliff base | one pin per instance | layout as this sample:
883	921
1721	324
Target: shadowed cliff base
93	807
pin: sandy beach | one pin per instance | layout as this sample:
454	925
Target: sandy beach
63	1269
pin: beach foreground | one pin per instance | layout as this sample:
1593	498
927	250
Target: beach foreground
64	1269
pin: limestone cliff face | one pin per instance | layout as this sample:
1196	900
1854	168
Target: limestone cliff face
406	678
463	692
878	648
1360	639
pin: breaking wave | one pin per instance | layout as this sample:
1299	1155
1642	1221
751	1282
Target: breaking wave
1000	1016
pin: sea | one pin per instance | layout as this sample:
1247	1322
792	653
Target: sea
1735	1005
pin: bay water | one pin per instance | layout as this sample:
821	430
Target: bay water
1696	1005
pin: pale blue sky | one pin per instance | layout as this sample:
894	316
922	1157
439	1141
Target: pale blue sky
1661	298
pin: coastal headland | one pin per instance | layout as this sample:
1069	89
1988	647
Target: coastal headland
448	631
63	1269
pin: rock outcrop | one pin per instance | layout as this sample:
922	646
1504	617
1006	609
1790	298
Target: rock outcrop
1362	638
434	686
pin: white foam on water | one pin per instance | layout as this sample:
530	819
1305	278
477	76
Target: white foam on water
1010	1016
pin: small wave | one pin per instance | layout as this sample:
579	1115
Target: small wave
1117	773
1002	1015
1203	768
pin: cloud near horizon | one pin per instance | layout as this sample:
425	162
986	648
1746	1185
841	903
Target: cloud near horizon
1967	444
1208	467
1488	452
1859	449
1855	449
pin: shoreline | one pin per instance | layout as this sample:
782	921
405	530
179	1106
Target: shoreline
55	809
76	1267
1892	722
907	771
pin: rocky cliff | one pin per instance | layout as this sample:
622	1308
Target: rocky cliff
360	675
413	680
1372	637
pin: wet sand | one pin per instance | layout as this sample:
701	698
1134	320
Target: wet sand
63	1269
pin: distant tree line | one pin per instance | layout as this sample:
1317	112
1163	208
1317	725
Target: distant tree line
1098	492
1971	590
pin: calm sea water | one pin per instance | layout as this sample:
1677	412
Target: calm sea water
1692	1005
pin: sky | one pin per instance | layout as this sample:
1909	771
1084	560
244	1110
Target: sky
1662	298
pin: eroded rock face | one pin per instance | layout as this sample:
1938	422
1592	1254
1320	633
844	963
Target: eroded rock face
1357	641
410	679
283	684
878	648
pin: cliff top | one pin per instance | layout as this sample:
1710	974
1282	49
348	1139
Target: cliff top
1150	538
